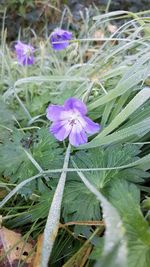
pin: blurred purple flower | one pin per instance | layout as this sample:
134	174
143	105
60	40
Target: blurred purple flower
60	39
71	120
24	53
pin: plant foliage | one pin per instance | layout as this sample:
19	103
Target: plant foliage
101	221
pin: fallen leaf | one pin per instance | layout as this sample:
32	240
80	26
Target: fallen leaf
87	55
99	34
111	28
3	193
14	249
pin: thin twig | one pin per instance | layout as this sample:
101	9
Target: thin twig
84	223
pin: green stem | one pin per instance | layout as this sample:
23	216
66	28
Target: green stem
23	106
108	6
52	224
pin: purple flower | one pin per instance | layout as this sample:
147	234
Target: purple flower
24	53
60	39
71	120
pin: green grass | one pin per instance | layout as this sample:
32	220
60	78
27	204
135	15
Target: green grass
106	179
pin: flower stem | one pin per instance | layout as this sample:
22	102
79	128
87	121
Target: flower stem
52	224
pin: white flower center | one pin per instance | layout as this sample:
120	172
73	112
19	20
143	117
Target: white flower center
27	51
74	118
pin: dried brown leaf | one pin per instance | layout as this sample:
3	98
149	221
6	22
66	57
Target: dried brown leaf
99	34
14	249
111	28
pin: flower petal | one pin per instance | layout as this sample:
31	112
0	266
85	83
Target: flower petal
73	103
62	33
60	46
27	60
77	136
60	130
91	127
60	39
68	35
54	112
24	53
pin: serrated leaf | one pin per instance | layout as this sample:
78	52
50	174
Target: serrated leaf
5	114
6	121
11	154
79	204
114	232
18	166
124	198
109	260
34	213
46	150
78	199
40	210
113	156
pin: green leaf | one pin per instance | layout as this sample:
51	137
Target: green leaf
35	212
98	249
6	121
113	156
114	232
11	154
109	260
77	198
133	105
41	79
131	133
79	204
122	87
126	132
40	210
17	165
46	150
125	197
140	114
